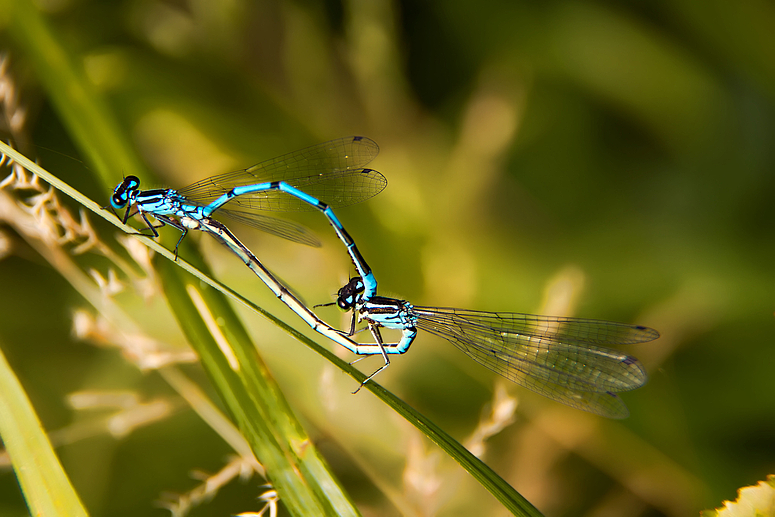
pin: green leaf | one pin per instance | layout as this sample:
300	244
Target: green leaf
45	484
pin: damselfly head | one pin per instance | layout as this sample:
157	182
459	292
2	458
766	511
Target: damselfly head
350	295
124	191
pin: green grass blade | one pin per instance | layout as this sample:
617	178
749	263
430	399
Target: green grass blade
254	400
44	482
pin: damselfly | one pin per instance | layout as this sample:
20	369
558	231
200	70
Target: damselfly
327	175
565	359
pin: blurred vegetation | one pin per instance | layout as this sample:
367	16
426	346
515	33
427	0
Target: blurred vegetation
601	159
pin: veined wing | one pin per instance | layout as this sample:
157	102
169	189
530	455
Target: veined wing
279	227
561	358
332	172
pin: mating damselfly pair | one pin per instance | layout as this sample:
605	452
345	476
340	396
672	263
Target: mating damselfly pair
565	359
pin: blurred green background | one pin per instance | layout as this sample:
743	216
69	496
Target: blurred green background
601	159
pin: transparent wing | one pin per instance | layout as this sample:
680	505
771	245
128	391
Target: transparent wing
279	227
561	358
332	172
